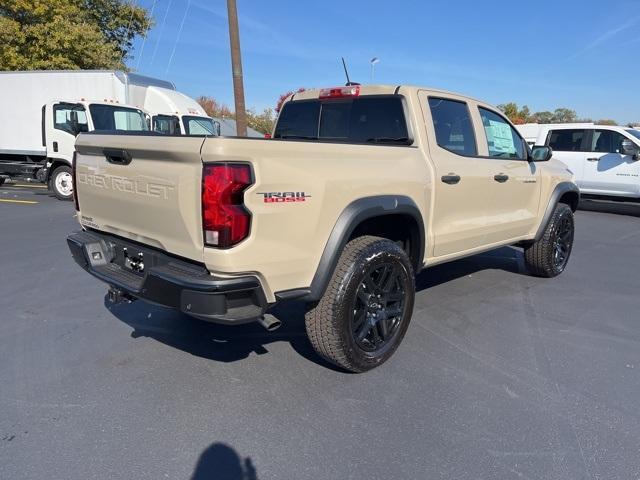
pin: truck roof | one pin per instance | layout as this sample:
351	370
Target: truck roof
124	77
169	102
381	90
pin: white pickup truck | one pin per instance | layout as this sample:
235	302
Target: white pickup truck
604	159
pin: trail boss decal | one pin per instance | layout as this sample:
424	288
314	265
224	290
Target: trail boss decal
284	197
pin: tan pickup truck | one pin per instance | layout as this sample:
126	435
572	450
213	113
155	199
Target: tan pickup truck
360	188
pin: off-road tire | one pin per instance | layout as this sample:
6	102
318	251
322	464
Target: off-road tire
330	322
541	257
60	194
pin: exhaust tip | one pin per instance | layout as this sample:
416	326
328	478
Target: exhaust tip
269	322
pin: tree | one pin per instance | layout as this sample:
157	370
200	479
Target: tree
564	115
262	122
542	117
69	34
606	122
286	95
514	114
213	108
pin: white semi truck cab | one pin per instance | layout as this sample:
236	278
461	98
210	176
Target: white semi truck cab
174	113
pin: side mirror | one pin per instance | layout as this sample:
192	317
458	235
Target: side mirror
628	147
541	154
73	122
216	128
174	127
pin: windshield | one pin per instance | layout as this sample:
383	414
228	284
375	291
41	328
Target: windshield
198	125
115	117
635	133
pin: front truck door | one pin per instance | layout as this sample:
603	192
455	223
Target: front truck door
515	187
607	171
461	181
63	122
570	146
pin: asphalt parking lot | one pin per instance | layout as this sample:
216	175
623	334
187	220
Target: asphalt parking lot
501	375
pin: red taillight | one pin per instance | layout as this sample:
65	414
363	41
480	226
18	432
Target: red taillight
340	92
74	184
225	221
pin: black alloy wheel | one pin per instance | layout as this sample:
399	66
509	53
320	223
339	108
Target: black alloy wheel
379	308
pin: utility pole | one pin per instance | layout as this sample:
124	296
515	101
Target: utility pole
236	67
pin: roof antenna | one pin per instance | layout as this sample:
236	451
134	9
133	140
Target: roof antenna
349	82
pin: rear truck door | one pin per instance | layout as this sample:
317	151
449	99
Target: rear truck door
145	188
570	147
462	178
63	121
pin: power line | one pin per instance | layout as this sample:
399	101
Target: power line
184	17
133	9
144	39
164	21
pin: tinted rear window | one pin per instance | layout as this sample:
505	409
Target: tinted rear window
375	119
566	140
453	126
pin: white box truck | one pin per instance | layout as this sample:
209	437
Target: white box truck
45	110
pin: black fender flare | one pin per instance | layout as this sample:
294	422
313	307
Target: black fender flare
352	216
561	189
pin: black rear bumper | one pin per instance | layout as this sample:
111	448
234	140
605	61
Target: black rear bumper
167	280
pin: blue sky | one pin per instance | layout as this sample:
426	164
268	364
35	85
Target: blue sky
546	54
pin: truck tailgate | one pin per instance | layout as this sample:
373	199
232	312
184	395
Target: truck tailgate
145	188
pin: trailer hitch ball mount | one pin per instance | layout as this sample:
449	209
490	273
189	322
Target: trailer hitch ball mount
116	296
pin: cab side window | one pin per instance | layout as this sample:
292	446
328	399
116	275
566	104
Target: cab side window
502	139
70	118
607	141
167	124
566	140
453	126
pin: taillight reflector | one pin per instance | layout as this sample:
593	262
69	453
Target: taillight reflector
339	92
225	220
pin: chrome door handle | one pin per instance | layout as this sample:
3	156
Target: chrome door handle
593	159
501	178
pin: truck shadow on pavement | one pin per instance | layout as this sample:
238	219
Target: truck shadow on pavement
221	462
224	343
221	343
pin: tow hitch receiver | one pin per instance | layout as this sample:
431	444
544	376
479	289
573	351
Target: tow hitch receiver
117	296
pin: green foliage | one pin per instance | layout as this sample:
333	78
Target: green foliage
514	114
262	122
606	121
69	34
559	115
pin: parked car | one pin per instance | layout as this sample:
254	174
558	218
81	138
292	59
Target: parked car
603	159
360	188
